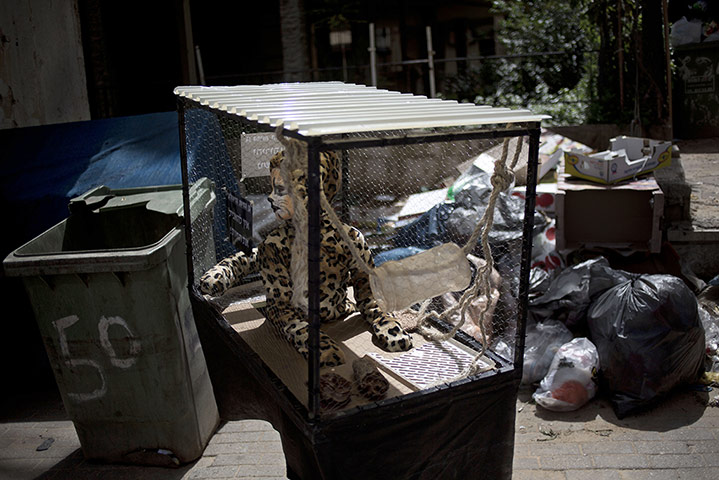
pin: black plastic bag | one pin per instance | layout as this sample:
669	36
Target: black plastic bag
571	292
649	337
427	231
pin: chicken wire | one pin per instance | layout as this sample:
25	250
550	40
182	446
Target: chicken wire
402	199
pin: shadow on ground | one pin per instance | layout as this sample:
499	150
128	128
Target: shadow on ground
699	145
678	409
75	467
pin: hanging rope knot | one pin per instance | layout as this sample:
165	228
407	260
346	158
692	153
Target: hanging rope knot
502	178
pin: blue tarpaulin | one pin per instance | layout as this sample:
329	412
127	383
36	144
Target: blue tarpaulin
44	167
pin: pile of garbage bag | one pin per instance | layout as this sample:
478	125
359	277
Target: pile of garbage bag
643	334
647	329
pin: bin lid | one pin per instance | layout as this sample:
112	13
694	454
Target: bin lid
49	253
165	199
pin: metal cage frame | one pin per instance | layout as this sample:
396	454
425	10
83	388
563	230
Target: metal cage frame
308	420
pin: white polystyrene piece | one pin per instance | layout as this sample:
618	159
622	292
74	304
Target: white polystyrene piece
329	108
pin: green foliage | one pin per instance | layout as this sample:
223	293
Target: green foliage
547	42
546	26
335	14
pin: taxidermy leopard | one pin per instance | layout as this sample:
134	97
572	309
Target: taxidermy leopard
338	271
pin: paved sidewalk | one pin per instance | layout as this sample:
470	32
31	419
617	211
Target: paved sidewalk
679	439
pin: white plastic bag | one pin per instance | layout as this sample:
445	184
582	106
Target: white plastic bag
571	381
684	31
542	342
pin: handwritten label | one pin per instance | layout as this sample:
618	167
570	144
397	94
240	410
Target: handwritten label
256	149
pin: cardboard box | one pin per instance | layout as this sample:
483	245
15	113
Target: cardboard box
623	217
627	158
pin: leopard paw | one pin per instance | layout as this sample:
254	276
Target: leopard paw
330	352
390	335
213	283
297	333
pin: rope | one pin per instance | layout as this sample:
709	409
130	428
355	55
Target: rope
296	159
501	180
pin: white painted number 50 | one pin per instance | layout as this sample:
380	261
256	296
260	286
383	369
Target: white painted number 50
103	327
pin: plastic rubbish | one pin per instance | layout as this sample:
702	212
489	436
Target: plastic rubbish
539	281
649	337
685	31
544	253
427	231
542	342
471	194
395	254
709	314
571	292
572	378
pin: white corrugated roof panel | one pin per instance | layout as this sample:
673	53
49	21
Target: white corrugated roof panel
328	108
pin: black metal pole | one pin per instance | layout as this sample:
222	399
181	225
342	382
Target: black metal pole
313	276
185	192
529	203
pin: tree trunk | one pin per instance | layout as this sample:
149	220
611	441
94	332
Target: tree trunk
295	62
652	63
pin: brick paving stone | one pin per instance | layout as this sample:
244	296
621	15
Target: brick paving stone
636	435
702	446
592	475
553	448
649	474
220	448
262	471
675	461
712	459
236	459
246	426
525	463
593	448
620	461
698	474
538	475
264	447
689	433
223	471
246	436
655	448
564	462
271	458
